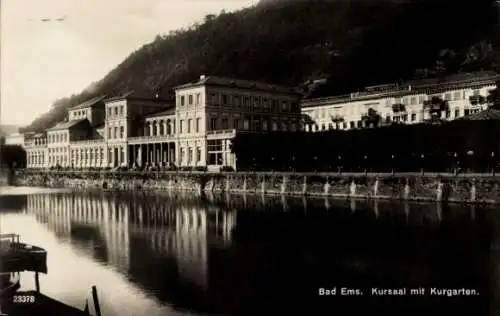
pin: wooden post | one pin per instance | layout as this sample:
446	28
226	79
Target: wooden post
37	282
96	301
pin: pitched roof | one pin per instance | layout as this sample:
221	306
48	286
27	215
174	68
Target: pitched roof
464	77
238	83
162	112
66	125
89	103
136	95
421	86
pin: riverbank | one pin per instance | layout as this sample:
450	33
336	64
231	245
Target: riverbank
480	188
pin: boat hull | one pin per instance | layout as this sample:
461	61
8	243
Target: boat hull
23	257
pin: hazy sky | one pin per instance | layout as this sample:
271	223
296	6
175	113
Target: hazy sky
44	61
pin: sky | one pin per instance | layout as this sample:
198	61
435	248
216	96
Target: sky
43	61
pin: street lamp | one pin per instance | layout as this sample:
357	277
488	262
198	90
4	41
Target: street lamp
457	163
470	153
339	165
392	164
492	163
365	164
422	164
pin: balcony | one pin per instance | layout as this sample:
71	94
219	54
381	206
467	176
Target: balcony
221	134
88	142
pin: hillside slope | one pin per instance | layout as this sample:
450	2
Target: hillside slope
353	43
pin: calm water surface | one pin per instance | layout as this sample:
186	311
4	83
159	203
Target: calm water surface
175	254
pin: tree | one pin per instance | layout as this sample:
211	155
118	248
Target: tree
435	106
372	118
337	120
13	156
493	98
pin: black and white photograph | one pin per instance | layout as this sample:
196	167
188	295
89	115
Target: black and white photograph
249	157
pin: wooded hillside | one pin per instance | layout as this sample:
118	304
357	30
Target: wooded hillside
351	43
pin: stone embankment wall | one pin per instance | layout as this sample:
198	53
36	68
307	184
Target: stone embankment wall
416	187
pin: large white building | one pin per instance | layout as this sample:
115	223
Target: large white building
193	131
408	103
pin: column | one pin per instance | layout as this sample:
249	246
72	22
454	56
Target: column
153	154
126	157
161	154
134	155
195	153
148	160
112	157
177	153
168	152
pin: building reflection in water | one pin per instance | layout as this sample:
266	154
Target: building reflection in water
172	228
170	243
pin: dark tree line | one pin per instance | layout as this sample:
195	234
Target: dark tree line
12	156
457	145
350	43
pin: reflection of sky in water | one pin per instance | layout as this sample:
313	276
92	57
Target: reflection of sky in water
72	270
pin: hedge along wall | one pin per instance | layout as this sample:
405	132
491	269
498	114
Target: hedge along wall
405	148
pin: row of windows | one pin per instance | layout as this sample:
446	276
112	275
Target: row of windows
116	132
58	159
96	154
253	102
192	126
218	145
413	100
57	138
116	110
36	159
190	99
388	119
250	124
189	155
35	142
80	113
58	150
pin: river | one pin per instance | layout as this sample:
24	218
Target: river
177	254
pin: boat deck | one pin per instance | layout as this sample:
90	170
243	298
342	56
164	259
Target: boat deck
42	305
17	256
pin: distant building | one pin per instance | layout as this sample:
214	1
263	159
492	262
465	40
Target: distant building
194	130
14	139
408	103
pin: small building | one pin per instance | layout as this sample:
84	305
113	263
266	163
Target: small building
14	139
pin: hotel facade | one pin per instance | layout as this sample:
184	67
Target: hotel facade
412	102
195	130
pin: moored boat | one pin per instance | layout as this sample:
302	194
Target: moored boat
16	256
